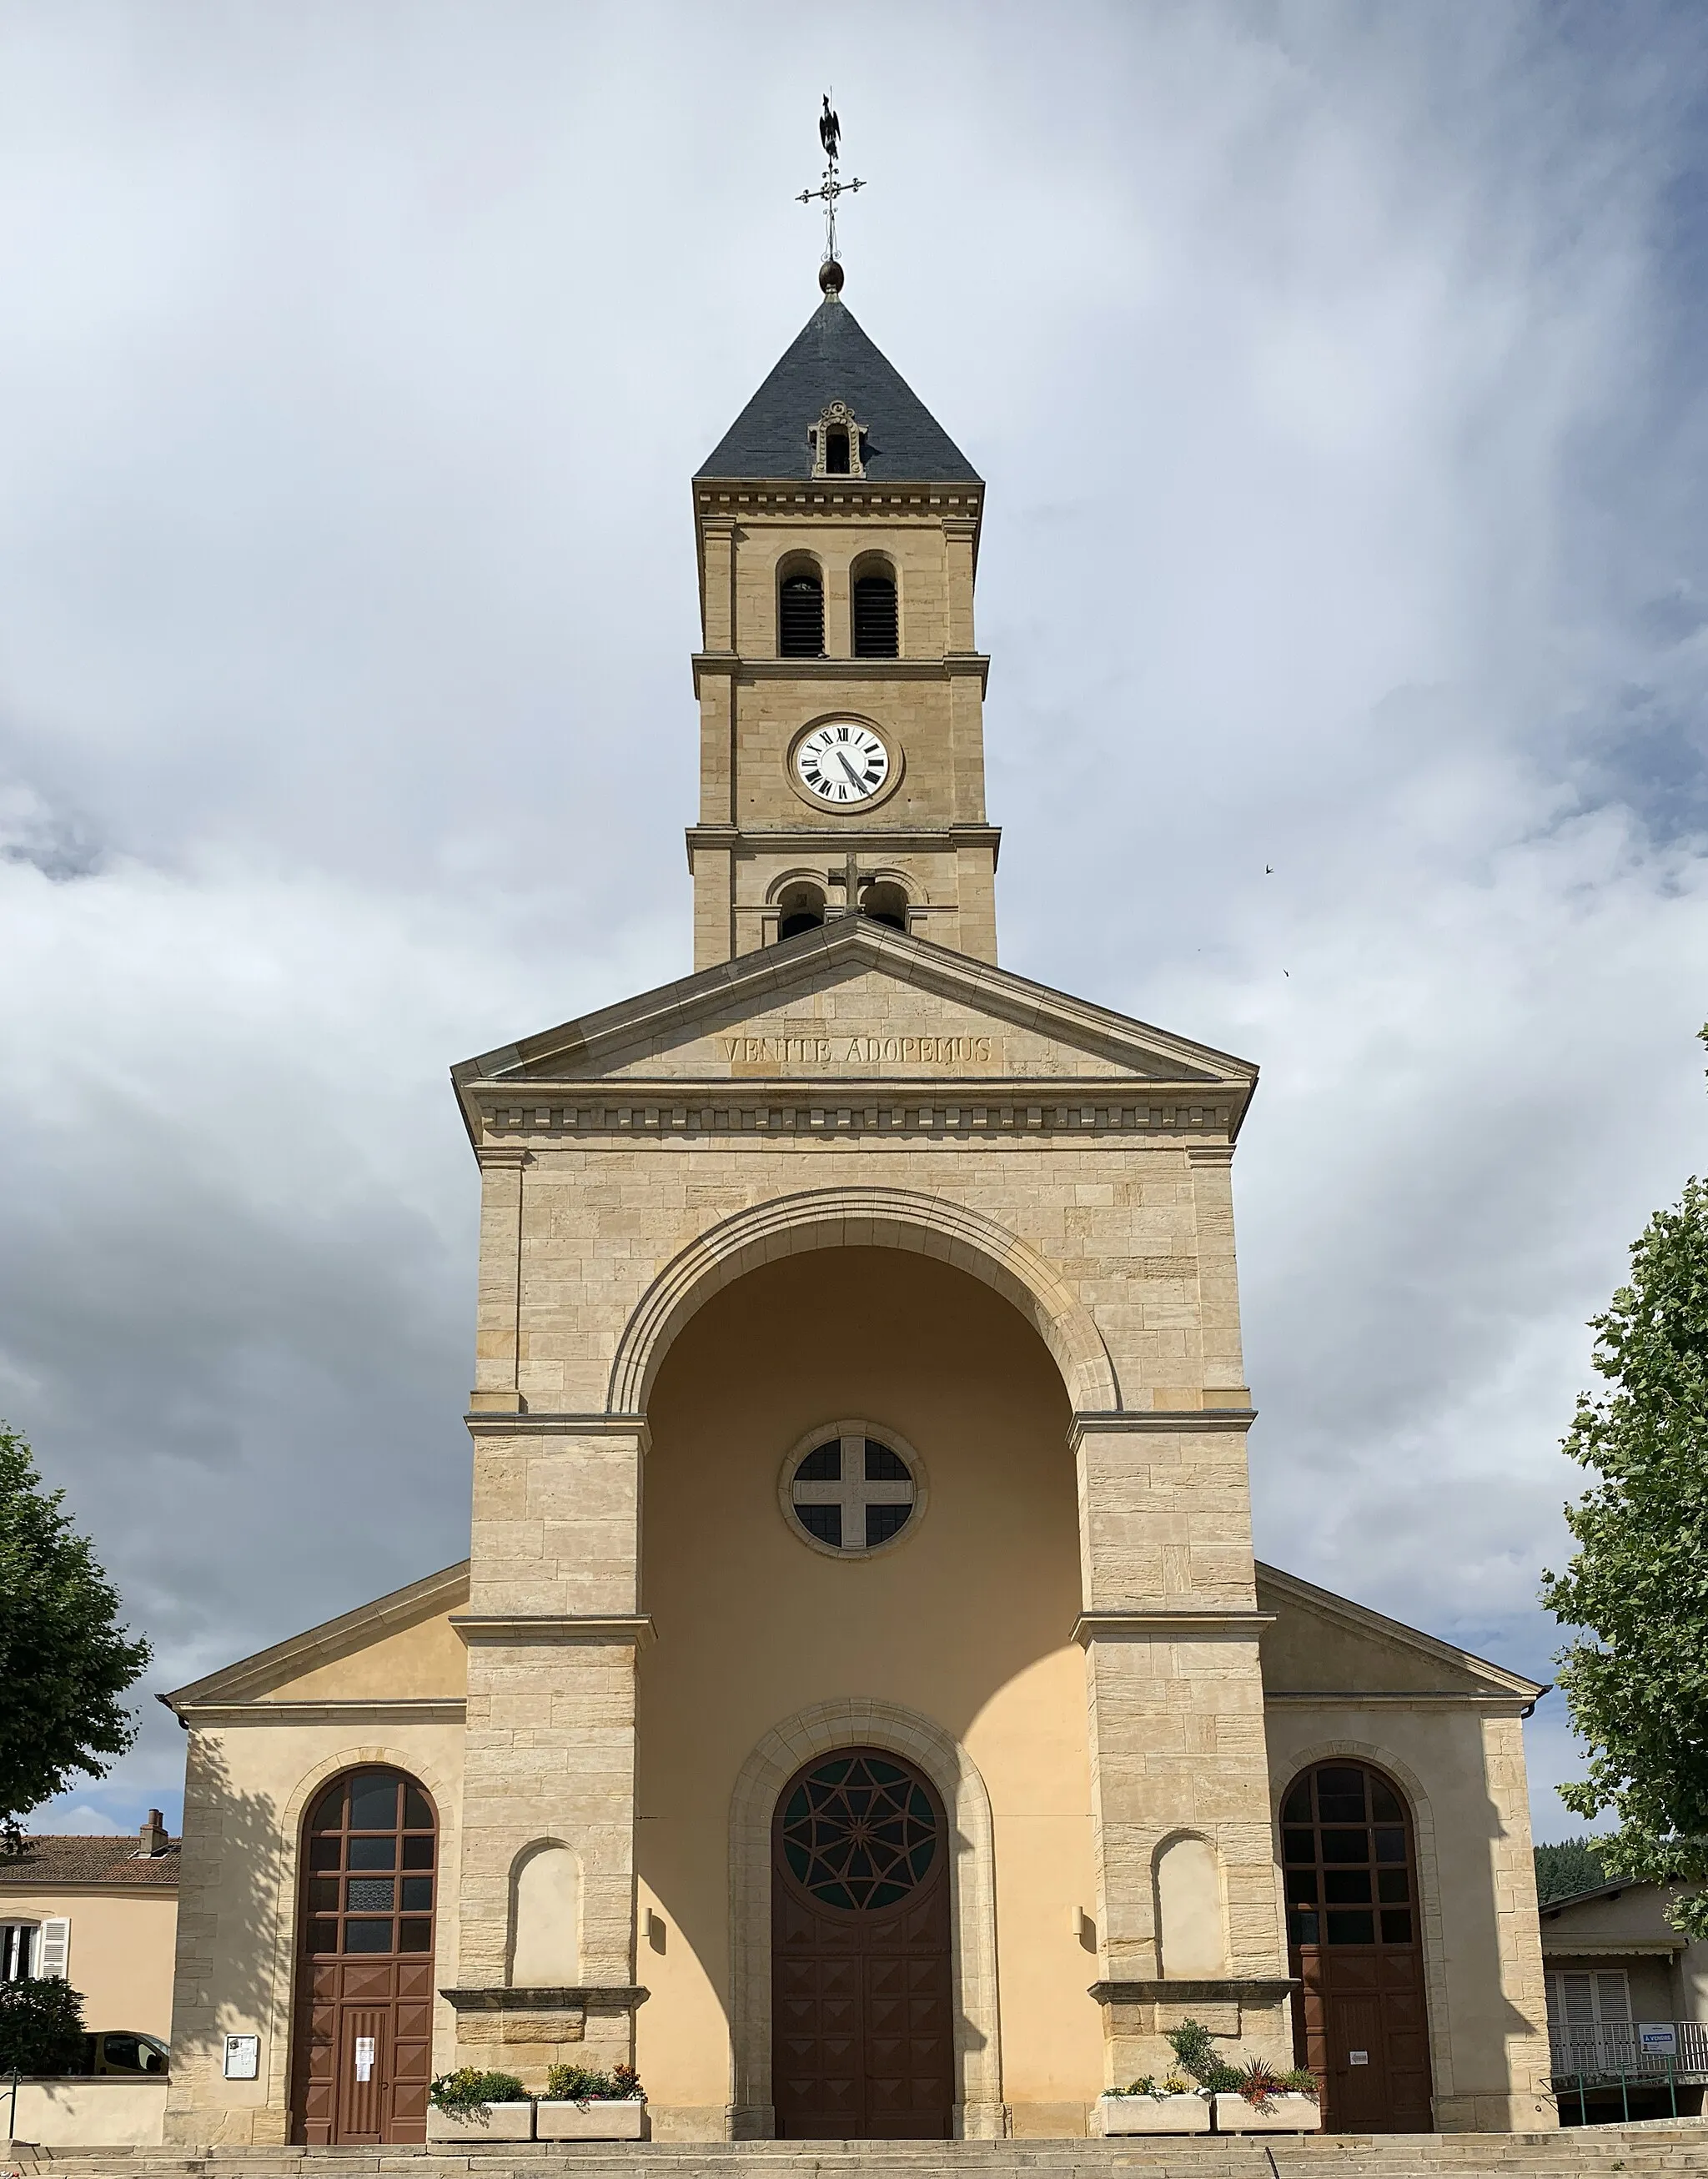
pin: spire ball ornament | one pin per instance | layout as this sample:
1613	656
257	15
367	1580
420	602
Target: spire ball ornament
831	187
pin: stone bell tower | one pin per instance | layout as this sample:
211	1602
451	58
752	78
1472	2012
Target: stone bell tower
841	693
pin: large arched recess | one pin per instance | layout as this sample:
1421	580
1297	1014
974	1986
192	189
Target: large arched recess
865	1217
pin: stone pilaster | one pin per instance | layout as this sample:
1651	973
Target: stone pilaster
1174	1690
553	1627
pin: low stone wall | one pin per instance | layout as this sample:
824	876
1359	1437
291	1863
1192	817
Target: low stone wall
97	2111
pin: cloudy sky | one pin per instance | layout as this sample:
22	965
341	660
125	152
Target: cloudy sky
1335	370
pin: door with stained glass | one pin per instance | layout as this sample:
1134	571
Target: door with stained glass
362	2046
1354	1941
862	2014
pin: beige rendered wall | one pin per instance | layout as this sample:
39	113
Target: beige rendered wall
1461	1766
121	1948
247	1786
969	1622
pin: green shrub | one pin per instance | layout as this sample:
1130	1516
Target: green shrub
1300	2081
41	2026
466	2092
1193	2044
582	2084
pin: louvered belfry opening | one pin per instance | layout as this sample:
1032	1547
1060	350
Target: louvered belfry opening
875	619
800	616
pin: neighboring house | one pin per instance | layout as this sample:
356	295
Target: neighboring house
104	1913
1619	1975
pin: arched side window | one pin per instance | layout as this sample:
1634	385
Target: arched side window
877	620
1349	1867
886	902
801	908
800	610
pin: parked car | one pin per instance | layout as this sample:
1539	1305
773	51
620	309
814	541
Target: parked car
116	2050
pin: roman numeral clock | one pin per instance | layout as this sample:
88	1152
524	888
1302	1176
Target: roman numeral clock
842	762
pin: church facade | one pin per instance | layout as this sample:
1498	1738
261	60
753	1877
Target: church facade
861	1707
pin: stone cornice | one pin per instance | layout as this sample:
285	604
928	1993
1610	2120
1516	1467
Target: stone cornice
1491	1701
537	1422
994	1110
837	498
547	1998
403	1709
950	665
1087	1424
870	839
1230	1990
553	1627
1209	1623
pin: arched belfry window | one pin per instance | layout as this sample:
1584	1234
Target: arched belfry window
801	908
800	613
876	624
886	903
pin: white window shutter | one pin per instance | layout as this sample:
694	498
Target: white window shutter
56	1947
1614	1995
1576	1991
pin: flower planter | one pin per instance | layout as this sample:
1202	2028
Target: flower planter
1288	2112
1155	2114
599	2119
497	2122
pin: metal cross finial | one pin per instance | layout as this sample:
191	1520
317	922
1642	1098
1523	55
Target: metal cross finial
832	186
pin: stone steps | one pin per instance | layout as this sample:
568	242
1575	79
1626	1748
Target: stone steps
1654	2151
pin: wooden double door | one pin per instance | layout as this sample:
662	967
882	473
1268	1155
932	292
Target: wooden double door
862	2000
1360	2021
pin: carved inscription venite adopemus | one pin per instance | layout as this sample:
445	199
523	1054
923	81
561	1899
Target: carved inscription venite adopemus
816	1049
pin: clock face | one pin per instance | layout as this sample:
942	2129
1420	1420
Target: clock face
842	763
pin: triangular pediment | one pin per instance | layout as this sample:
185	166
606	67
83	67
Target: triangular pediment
1326	1645
858	1001
402	1646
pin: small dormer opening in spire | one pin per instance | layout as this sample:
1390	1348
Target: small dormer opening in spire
799	609
838	443
800	908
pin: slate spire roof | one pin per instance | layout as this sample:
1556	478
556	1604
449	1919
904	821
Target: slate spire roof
832	358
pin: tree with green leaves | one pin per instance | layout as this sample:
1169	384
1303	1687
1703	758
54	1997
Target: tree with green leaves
64	1659
1637	1587
41	2026
1569	1867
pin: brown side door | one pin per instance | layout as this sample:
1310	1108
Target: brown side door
863	2029
1359	2018
362	2056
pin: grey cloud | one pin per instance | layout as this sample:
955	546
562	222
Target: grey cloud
1334	375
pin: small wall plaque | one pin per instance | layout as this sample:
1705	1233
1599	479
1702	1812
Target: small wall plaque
1358	2057
242	2057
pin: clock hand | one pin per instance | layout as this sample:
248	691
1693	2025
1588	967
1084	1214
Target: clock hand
853	776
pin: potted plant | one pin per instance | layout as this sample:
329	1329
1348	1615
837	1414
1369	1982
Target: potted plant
1171	2105
581	2104
1264	2101
494	2106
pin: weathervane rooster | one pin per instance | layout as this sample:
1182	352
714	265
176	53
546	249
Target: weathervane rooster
829	190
